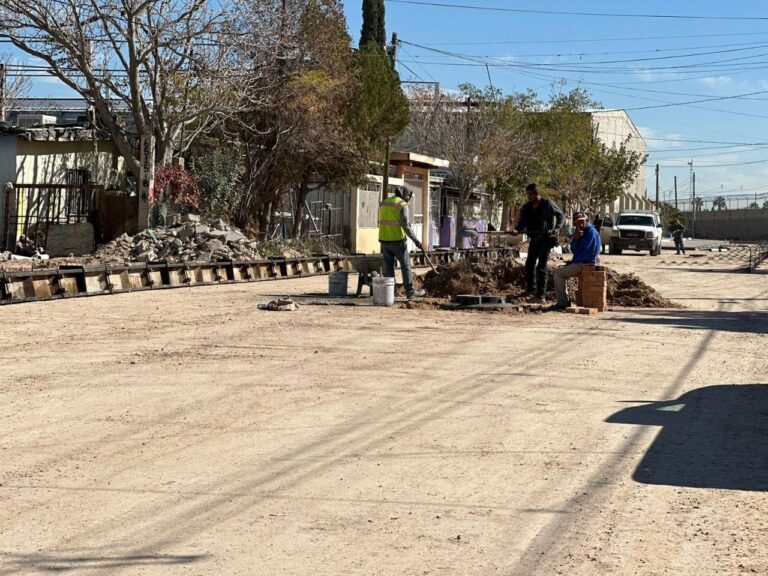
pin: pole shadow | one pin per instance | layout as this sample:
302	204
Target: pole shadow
723	321
16	563
711	437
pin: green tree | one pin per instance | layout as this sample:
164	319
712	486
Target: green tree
218	171
379	110
719	203
668	213
607	172
374	25
564	156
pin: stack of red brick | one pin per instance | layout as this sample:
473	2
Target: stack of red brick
593	289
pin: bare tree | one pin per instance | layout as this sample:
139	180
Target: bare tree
158	62
13	85
477	131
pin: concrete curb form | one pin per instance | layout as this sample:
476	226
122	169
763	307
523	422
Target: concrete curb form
77	281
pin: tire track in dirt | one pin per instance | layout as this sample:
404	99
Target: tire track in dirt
179	519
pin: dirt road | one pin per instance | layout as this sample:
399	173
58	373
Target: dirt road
186	432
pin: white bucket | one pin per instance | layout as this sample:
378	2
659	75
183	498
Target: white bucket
383	291
337	283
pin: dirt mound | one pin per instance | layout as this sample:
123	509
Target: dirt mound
475	277
629	291
507	277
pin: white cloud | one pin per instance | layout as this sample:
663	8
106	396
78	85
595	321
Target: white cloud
667	140
716	81
652	76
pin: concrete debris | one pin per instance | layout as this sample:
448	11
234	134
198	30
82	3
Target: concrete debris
281	305
190	241
27	247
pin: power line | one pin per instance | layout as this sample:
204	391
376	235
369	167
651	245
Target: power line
654	153
415	75
748	148
742	48
584	67
477	61
670	104
699	166
589	40
569	13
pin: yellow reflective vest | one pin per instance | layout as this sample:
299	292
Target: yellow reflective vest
390	229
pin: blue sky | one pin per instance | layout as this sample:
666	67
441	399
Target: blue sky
530	42
660	61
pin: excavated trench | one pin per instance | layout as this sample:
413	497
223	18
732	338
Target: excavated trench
507	277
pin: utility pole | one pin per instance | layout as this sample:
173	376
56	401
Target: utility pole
693	188
2	92
675	192
657	186
385	180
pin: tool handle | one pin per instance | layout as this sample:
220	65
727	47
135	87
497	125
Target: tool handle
429	261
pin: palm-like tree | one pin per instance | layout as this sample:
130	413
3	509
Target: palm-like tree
719	204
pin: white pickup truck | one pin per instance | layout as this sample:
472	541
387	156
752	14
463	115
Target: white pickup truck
633	230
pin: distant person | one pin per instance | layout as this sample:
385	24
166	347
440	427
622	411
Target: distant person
677	230
598	223
541	219
586	247
393	231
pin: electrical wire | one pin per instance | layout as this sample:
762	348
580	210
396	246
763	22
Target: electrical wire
590	40
570	13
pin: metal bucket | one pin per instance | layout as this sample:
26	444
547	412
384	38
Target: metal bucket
383	291
337	283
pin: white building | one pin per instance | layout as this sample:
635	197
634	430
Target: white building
614	127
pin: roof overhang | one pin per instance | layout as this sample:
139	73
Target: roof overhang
420	160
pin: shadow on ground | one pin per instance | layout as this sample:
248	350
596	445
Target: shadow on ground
713	437
746	322
11	563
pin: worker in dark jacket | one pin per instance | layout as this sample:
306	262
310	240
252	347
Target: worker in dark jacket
541	219
586	247
678	230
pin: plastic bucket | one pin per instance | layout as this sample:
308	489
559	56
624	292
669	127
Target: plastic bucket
337	283
383	291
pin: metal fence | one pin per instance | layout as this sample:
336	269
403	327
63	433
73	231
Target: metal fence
31	210
723	202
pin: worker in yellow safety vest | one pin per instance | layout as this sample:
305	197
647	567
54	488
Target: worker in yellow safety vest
393	231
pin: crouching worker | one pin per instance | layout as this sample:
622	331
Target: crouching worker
393	231
585	247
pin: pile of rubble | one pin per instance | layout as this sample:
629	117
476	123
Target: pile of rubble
193	240
507	277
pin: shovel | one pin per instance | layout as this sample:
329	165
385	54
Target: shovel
430	262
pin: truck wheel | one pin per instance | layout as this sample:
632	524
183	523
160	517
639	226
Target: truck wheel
656	250
613	250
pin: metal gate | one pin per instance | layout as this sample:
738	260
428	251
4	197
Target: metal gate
31	209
